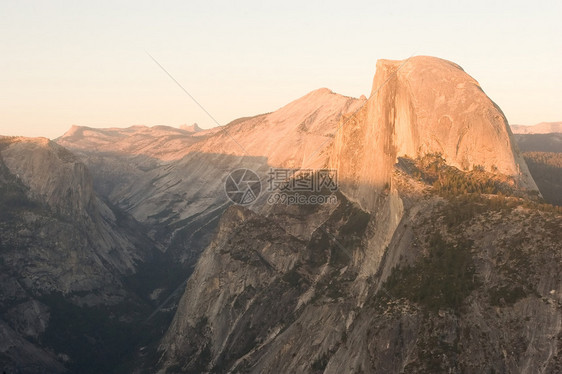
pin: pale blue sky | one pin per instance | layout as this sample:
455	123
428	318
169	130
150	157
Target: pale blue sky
84	63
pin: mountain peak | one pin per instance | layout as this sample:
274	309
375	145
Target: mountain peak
191	128
51	172
419	60
439	108
419	106
321	91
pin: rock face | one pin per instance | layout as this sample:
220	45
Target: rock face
448	294
59	243
60	184
51	173
407	273
254	281
539	128
419	106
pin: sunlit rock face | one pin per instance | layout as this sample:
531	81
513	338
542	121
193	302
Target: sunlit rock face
418	106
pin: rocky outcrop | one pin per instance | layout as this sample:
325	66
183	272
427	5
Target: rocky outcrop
252	283
419	106
51	173
422	105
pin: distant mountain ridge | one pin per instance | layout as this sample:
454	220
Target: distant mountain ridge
161	142
539	128
191	128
